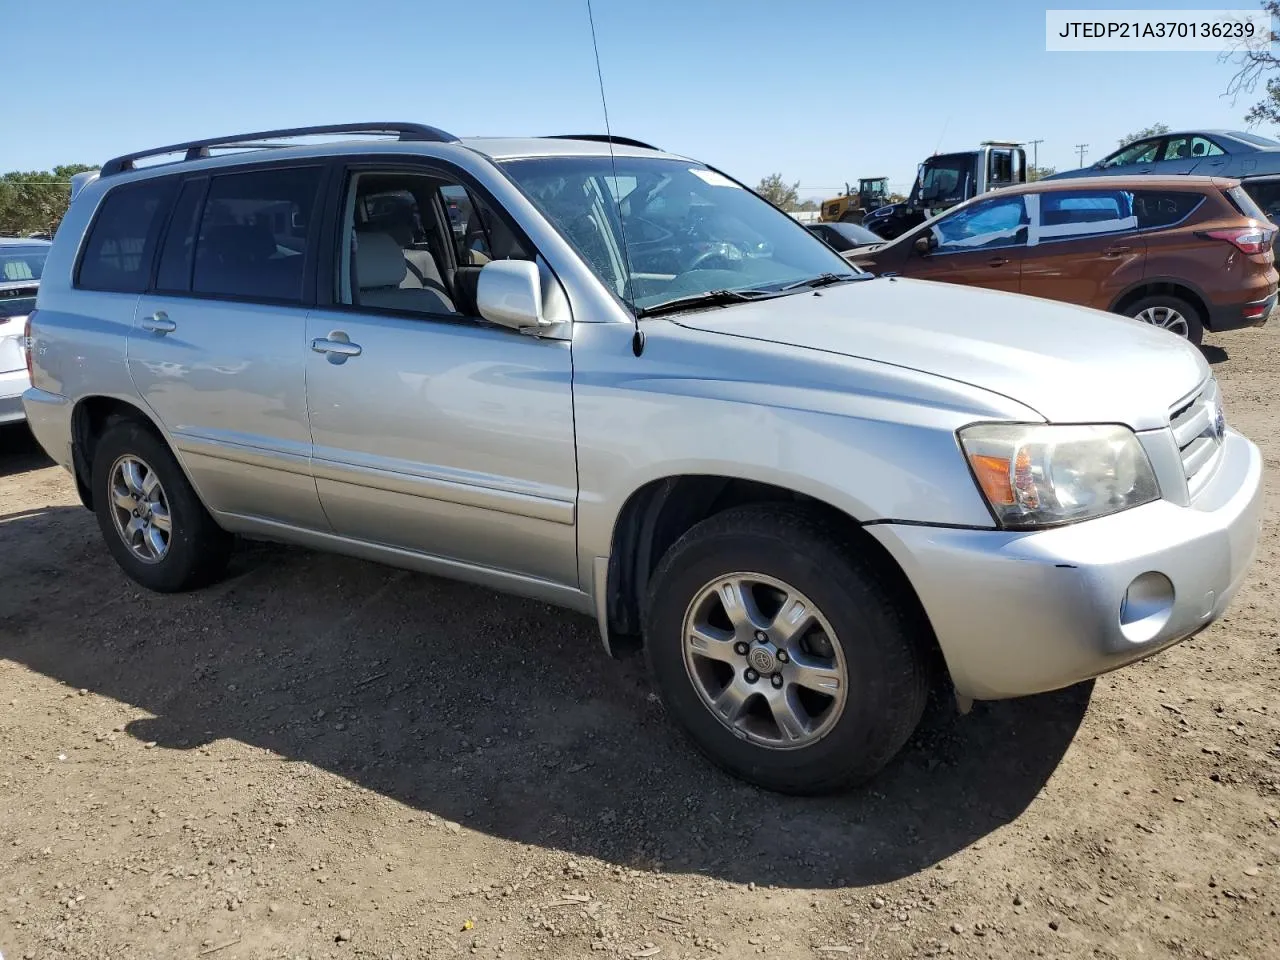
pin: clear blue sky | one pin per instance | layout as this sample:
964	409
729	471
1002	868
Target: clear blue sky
823	92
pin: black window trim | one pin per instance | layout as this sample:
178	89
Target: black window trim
159	225
341	170
307	298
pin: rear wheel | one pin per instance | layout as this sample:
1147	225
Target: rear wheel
785	657
1169	313
154	524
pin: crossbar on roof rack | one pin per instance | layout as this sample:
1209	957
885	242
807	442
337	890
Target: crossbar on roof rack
198	149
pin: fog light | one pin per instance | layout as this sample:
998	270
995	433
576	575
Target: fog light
1147	606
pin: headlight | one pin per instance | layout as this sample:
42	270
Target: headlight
1036	475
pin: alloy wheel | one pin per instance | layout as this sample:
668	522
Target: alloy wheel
765	660
140	509
1167	318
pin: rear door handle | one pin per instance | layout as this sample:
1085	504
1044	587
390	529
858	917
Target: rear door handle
997	261
1113	252
337	346
158	322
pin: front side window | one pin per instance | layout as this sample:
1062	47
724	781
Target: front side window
655	229
994	223
252	242
18	263
118	251
1068	214
946	180
1145	151
414	243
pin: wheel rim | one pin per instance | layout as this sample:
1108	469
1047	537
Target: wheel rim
1167	318
765	661
140	509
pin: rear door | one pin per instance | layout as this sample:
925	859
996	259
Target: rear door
217	349
1085	247
981	245
1190	152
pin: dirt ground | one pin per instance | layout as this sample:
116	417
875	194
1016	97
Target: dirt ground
321	758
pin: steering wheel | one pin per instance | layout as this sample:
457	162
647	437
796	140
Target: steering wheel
714	260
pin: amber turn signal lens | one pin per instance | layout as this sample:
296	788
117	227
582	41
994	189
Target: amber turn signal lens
993	477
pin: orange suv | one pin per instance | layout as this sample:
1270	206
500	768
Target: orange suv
1181	252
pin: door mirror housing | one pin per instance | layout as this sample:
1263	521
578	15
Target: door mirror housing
924	244
509	293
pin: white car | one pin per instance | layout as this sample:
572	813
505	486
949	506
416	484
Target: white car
21	263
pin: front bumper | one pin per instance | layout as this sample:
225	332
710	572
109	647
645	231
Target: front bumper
1018	613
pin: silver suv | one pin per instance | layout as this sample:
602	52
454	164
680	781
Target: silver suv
614	379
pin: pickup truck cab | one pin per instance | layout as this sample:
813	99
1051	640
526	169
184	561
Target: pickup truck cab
615	379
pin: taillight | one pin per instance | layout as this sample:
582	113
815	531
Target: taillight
27	345
1252	239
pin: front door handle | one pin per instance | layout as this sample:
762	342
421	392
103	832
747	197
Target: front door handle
158	322
337	346
1112	252
997	261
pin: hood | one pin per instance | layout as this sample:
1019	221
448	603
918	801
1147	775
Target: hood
1070	364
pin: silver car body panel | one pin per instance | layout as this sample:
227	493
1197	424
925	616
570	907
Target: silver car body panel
480	453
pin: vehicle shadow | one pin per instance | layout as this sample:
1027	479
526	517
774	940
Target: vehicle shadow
19	451
1214	353
496	713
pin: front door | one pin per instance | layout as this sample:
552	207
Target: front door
1085	247
436	432
980	245
217	347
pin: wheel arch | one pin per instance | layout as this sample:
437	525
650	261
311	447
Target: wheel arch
658	513
1165	286
90	418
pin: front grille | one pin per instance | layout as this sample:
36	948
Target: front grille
1197	426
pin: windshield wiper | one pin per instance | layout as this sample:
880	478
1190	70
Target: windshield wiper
823	280
711	298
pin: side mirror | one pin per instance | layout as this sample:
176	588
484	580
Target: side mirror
924	244
509	293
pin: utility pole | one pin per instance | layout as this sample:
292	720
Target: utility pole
1035	154
1082	149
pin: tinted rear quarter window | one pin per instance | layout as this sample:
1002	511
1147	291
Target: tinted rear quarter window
1251	206
121	244
253	235
1164	208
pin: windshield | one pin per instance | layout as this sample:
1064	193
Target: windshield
946	179
851	231
688	230
19	263
1256	140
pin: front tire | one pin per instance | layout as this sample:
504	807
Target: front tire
1169	313
151	518
784	655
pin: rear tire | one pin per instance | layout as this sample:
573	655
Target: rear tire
1169	313
864	645
151	518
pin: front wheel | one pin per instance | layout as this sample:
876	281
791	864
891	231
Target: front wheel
1169	313
150	516
786	658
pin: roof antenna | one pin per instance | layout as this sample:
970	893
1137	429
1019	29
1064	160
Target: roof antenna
637	340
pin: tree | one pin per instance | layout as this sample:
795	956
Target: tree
778	192
1255	60
806	205
34	201
1152	131
896	198
1039	173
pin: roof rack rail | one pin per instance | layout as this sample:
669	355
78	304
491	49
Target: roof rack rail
198	149
604	138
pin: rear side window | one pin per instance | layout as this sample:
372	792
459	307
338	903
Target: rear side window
252	242
1252	206
1164	208
178	252
121	244
1068	214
